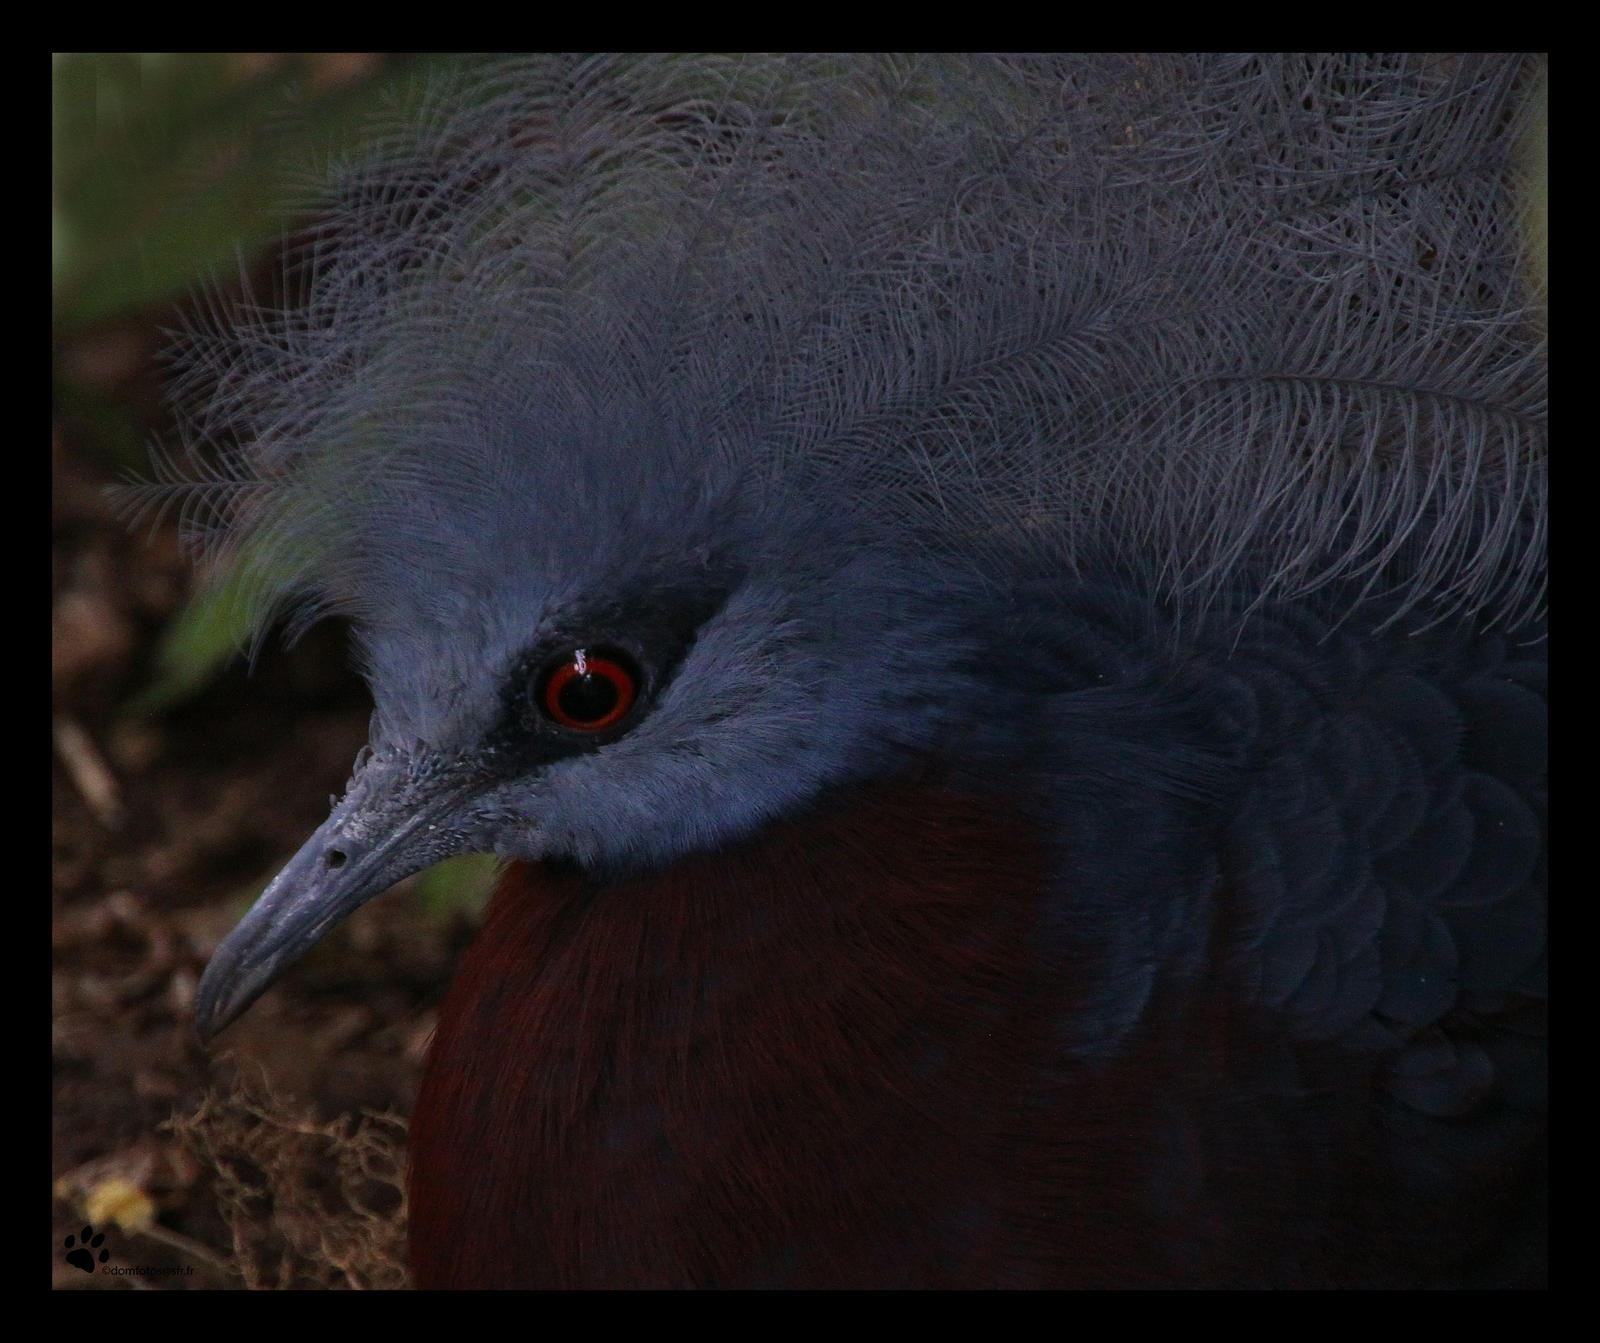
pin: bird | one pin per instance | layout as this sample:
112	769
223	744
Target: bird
992	610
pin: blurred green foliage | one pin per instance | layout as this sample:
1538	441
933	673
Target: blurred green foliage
169	173
166	168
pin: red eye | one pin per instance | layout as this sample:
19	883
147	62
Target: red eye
588	691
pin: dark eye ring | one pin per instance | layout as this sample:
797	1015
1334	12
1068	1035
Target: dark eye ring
588	690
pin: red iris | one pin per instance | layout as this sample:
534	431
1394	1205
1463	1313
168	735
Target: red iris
589	692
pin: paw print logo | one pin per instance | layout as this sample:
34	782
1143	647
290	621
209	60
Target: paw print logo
83	1255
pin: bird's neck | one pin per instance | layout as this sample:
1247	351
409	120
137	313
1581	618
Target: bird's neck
626	1072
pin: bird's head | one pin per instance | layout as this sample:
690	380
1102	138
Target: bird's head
679	436
593	637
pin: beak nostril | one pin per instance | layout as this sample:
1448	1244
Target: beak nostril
336	859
